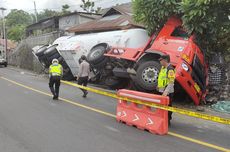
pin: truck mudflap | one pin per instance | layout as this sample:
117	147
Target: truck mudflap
184	78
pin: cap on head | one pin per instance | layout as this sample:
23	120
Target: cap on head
165	57
83	57
54	61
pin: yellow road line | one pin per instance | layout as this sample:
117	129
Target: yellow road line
66	100
114	116
155	105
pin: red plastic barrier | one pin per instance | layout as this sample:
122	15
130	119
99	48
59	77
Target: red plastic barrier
141	116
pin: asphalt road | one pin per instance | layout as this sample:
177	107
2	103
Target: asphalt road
30	121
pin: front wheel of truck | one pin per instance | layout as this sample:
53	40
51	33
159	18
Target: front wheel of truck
147	75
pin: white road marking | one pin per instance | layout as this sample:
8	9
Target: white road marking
136	118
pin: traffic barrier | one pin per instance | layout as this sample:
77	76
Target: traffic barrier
142	116
155	105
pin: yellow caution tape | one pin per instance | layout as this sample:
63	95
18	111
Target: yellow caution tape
155	105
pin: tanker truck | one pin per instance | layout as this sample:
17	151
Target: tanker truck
130	57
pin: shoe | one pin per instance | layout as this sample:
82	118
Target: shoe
55	97
85	94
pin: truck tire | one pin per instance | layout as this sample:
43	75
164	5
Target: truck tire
96	54
60	59
147	75
43	60
54	56
5	64
41	50
51	50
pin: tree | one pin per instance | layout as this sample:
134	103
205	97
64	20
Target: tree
89	7
47	13
16	21
16	33
65	9
208	19
18	17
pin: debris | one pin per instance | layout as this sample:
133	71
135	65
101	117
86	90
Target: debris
200	108
222	106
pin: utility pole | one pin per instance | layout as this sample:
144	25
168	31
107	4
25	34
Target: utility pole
35	11
4	32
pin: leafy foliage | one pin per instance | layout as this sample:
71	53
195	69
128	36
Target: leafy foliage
65	9
88	6
208	19
16	33
46	13
154	13
16	22
18	17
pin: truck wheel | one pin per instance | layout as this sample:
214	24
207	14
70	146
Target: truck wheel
147	75
96	54
5	64
43	60
54	56
60	59
51	50
41	50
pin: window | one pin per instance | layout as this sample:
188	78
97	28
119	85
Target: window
180	32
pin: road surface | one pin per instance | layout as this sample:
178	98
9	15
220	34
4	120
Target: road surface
30	121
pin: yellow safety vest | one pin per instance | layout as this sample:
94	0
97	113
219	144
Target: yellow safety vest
55	70
165	77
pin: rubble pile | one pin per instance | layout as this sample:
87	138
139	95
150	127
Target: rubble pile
218	80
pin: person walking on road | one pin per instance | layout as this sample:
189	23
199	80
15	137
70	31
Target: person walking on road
55	74
83	74
166	80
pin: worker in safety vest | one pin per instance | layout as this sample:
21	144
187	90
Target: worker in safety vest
55	74
166	79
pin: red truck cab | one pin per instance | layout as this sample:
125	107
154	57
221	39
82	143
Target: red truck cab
141	65
185	56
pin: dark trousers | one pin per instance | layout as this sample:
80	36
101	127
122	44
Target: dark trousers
54	81
83	81
171	98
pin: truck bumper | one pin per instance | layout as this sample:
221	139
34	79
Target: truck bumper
190	86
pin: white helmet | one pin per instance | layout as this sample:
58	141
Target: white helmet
54	61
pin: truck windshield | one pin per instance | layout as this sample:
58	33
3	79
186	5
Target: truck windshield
180	32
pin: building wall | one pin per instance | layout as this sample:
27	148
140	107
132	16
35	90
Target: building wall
68	21
83	19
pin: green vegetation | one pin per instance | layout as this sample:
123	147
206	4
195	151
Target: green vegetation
209	20
17	20
88	6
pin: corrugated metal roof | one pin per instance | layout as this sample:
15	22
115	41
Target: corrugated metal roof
118	17
89	15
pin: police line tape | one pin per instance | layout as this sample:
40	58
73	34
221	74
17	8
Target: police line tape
155	105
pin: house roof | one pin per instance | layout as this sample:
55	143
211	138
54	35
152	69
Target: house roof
114	18
44	23
10	44
85	14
